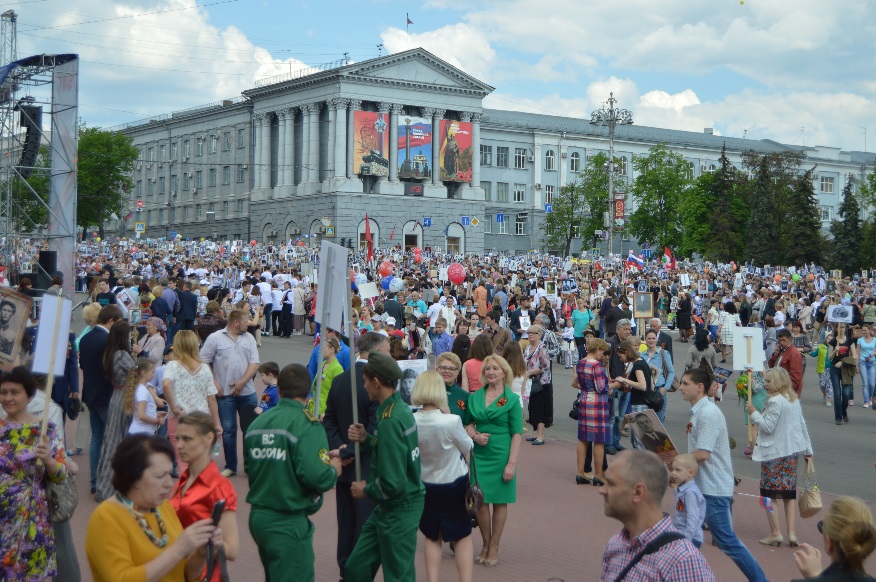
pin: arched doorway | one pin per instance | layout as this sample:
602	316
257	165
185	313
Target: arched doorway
292	232
316	233
454	241
375	234
412	235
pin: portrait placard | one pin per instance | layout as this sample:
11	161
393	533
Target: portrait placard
748	351
840	314
411	370
643	305
652	434
14	310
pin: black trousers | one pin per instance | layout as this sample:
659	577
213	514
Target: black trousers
352	514
286	321
275	321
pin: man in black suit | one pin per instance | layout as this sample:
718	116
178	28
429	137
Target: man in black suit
523	311
664	340
96	386
393	309
351	513
188	307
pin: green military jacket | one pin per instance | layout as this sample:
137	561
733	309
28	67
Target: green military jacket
395	454
287	460
457	400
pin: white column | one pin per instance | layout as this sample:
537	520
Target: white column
266	151
393	141
314	110
340	138
257	153
476	150
281	147
305	144
384	108
330	138
437	116
289	173
355	104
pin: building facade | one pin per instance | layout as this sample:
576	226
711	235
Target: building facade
404	139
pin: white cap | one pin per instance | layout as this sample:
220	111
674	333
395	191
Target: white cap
390	321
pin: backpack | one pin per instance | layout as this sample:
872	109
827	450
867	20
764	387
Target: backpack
551	343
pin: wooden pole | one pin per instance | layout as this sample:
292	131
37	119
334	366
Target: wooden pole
355	388
750	385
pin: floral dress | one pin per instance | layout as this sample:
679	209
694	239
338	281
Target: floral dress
28	547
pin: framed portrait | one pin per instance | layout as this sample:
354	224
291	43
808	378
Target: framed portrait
839	314
651	433
136	317
836	274
702	287
550	287
411	370
643	305
14	310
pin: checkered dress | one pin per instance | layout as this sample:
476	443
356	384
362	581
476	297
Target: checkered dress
594	409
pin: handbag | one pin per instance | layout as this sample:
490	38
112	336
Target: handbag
63	499
474	495
675	381
810	497
576	404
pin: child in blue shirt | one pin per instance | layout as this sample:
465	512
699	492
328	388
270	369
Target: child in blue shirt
270	397
690	505
443	341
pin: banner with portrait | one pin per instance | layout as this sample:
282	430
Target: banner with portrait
456	151
14	311
371	143
652	434
414	147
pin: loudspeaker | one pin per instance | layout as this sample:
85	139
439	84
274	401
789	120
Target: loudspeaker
49	264
31	120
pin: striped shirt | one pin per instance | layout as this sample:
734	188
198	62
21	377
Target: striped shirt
678	560
708	432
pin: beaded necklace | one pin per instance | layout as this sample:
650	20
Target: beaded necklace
144	525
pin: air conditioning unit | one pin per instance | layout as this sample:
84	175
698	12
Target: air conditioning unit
565	155
531	158
704	168
244	166
173	193
149	166
189	174
185	158
194	190
152	180
538	186
139	166
203	137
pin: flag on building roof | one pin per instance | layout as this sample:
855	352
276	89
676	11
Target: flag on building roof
409	18
668	258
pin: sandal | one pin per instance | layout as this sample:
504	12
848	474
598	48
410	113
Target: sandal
747	451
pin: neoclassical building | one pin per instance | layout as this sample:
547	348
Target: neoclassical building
402	138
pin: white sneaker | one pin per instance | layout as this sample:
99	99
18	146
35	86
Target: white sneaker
228	473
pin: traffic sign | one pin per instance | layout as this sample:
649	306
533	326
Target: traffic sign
466	221
500	218
427	221
329	231
646	245
594	252
139	204
326	221
548	208
475	221
139	227
647	253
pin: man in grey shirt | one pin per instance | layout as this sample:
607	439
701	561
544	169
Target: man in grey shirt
234	356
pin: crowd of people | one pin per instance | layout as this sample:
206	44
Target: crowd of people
170	352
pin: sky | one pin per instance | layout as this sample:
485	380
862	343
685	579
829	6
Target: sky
800	72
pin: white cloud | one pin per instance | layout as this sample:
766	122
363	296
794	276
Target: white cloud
459	44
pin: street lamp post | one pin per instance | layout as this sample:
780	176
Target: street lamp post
611	118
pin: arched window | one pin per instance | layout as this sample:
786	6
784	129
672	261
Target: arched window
550	160
575	163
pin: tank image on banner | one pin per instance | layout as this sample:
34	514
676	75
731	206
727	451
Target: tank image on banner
455	151
371	143
414	147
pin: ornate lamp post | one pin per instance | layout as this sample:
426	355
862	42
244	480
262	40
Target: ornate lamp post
611	118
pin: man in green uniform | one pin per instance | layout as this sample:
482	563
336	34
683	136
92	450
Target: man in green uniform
448	366
389	537
288	466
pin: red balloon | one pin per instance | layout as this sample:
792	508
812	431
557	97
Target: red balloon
456	273
385	269
417	250
418	258
252	242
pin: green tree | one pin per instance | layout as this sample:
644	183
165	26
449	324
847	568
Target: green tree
106	161
846	232
694	212
802	229
663	177
594	182
867	194
566	219
30	197
761	239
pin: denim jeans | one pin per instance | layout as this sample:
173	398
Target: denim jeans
842	393
662	414
269	308
637	444
720	522
868	377
229	409
98	424
619	407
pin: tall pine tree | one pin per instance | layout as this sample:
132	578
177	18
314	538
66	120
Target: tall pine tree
846	232
802	227
761	231
726	241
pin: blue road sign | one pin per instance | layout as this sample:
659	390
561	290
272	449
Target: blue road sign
646	245
500	218
647	253
595	252
548	208
427	221
466	221
172	234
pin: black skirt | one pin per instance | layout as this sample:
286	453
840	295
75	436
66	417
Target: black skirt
444	511
541	406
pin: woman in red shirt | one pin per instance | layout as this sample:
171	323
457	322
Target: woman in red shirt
201	485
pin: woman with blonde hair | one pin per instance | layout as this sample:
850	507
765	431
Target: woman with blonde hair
494	421
541	390
444	450
188	383
782	436
849	538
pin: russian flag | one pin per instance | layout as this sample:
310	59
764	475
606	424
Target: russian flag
634	261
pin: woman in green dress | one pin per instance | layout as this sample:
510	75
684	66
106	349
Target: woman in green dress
494	421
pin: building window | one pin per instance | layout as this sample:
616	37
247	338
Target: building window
225	208
197	212
712	168
174	150
240	206
226	174
241	138
486	155
501	157
519	192
173	182
501	191
691	168
139	188
226	141
241	174
519	159
575	162
161	216
212	177
186	181
200	147
187	148
161	185
621	167
162	153
487	188
488	226
548	194
519	225
199	179
502	226
148	217
185	216
151	154
214	143
149	185
827	184
826	212
550	160
212	208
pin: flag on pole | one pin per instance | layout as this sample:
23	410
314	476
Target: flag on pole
129	215
668	258
407	16
370	245
392	234
634	262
